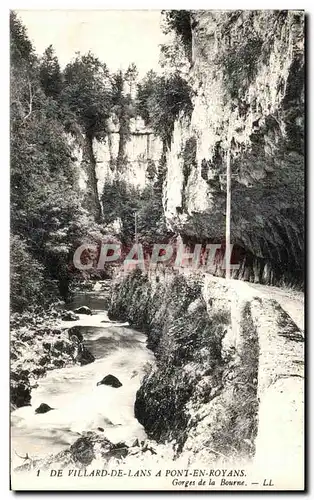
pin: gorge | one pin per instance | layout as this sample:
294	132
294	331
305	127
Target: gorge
162	366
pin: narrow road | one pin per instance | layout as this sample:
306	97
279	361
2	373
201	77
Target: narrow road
291	301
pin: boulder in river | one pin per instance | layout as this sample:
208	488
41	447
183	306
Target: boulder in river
44	360
84	356
20	393
110	380
83	310
43	408
69	316
75	330
83	451
39	371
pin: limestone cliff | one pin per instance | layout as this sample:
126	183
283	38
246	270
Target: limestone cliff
247	76
101	162
247	85
142	152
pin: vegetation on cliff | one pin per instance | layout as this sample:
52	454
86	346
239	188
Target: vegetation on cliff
197	382
162	100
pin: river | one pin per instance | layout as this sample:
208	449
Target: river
79	404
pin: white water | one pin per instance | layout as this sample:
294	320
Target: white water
79	404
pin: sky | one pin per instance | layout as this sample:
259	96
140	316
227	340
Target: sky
116	37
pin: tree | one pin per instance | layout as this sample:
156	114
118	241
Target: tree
47	218
50	74
130	77
121	201
21	49
179	23
123	109
27	277
145	92
87	93
161	100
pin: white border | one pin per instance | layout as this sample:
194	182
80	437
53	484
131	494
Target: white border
4	176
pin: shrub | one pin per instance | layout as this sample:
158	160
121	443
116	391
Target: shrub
162	100
240	64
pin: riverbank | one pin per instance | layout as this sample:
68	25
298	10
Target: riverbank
42	340
40	343
86	417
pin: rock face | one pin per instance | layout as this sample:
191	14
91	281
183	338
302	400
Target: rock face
220	349
110	380
77	332
247	76
82	451
20	389
84	356
85	449
141	153
132	158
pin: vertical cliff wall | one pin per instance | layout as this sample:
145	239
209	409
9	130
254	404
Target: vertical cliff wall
98	162
247	77
247	84
141	153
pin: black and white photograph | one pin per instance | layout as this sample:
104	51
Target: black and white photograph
157	255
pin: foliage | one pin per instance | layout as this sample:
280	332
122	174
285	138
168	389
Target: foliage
189	162
240	64
50	73
131	76
179	22
21	49
145	92
123	107
161	100
86	93
152	226
27	276
239	58
121	201
47	219
173	57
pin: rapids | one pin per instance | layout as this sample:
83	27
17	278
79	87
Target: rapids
79	405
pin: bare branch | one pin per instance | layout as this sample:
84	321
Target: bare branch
23	458
31	97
